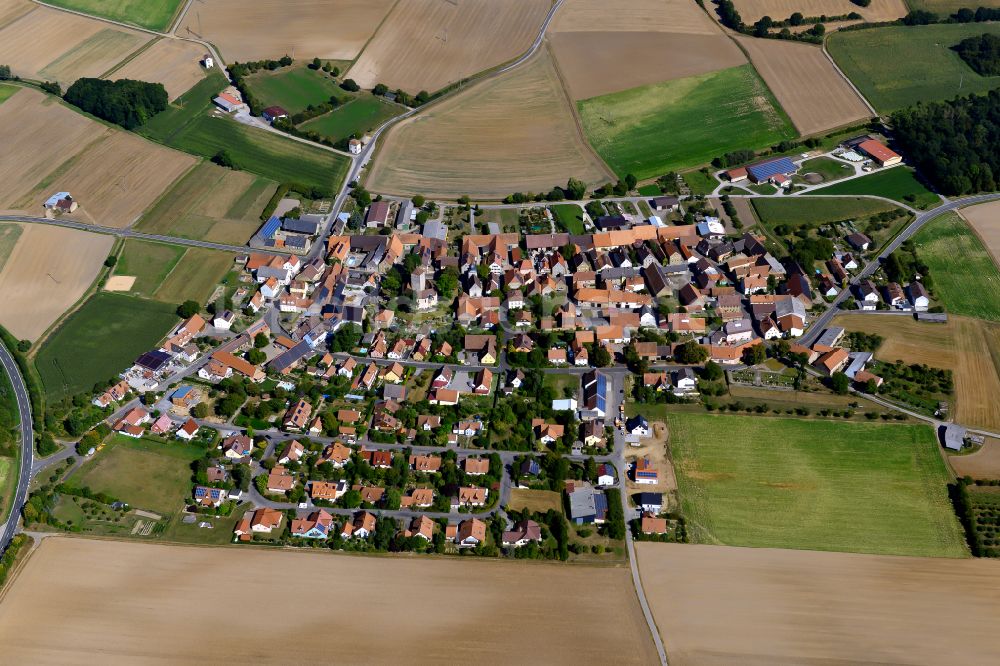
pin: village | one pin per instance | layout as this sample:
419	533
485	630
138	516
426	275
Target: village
409	383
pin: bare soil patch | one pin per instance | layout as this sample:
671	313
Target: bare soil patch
49	44
985	221
983	464
37	134
722	605
427	44
535	500
968	347
395	610
810	89
779	10
120	283
173	62
514	132
591	62
676	16
48	271
116	178
657	449
304	29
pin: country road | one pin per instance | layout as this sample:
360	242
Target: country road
27	446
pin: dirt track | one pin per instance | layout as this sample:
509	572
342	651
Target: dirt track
720	605
104	602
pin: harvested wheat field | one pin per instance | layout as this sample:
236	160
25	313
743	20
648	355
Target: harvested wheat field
984	219
723	605
813	93
511	133
58	46
115	179
965	346
983	464
422	610
303	29
11	10
48	271
606	47
32	145
428	44
678	16
779	10
173	62
591	62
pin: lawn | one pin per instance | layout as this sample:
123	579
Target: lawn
569	218
795	211
6	92
9	233
535	500
559	383
898	183
150	14
356	118
650	190
190	124
964	275
100	340
898	66
815	485
200	270
700	182
293	88
829	169
149	263
145	473
653	129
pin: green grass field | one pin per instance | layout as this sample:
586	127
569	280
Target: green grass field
149	262
294	88
947	7
898	183
815	485
651	190
195	276
7	91
9	234
355	118
653	129
151	14
898	66
99	340
569	218
145	473
830	169
795	211
700	182
189	124
964	274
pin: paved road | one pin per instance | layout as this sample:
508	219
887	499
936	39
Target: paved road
8	529
820	324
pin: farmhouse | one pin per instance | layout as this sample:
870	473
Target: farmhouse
229	100
765	171
62	202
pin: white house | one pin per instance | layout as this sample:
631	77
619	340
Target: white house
224	320
207	61
605	475
354	146
638	426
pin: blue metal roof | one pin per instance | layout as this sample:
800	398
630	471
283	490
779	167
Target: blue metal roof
602	393
764	170
270	227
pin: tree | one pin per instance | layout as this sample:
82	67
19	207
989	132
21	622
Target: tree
755	355
51	87
350	85
419	200
188	309
691	353
575	189
224	159
200	410
260	341
351	499
712	371
601	356
380	89
111	261
448	282
840	383
630	181
256	356
5	72
796	18
23	346
316	64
